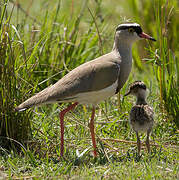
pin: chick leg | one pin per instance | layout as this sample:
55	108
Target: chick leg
138	143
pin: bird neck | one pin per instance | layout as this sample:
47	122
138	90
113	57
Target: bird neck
121	45
141	101
124	50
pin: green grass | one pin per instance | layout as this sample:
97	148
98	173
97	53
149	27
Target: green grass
39	43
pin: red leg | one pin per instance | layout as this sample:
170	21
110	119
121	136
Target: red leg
62	114
91	126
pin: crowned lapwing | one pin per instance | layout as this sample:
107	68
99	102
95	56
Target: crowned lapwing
141	115
93	81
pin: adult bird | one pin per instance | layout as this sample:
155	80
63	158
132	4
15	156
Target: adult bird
93	81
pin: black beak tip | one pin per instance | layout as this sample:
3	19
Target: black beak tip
126	94
151	38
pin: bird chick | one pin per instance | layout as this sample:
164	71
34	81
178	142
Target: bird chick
141	115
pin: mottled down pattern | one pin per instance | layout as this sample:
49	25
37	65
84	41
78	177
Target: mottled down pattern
142	115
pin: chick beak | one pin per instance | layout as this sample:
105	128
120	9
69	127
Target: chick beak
127	93
146	36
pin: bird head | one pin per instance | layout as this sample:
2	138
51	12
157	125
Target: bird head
138	89
131	32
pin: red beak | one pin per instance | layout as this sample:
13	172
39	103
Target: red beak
146	36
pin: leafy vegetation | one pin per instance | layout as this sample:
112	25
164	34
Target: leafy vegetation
41	41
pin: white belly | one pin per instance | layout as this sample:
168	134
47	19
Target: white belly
94	97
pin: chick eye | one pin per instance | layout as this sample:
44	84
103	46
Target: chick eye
131	30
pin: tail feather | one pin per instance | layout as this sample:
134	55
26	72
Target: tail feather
38	99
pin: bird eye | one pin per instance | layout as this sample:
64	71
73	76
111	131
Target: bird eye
131	30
